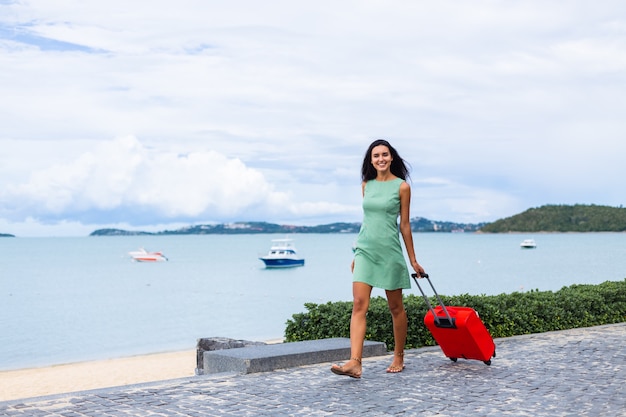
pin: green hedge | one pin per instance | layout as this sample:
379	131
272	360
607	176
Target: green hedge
504	315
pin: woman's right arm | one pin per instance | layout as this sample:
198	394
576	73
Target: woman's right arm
363	194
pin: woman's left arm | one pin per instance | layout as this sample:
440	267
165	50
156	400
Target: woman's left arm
405	226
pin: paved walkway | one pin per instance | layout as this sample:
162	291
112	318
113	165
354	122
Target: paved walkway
578	372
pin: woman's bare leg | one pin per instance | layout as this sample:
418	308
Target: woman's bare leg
400	326
358	325
358	322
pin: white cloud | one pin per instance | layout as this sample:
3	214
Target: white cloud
491	97
462	202
127	180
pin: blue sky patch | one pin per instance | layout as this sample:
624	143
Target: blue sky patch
22	34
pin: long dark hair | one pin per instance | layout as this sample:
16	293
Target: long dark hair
398	165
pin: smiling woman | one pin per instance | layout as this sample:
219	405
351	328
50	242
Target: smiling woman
378	256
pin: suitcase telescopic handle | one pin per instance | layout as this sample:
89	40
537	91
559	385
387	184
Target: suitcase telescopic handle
439	321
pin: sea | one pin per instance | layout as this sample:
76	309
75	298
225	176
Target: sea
73	299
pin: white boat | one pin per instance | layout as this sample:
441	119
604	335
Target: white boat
528	244
143	255
282	254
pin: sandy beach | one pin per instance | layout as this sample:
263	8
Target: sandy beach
35	382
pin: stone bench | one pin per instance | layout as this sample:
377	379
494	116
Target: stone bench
265	358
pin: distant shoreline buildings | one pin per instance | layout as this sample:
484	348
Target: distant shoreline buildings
418	224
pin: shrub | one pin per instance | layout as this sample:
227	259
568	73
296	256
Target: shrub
504	315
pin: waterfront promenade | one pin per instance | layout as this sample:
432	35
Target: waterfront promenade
579	372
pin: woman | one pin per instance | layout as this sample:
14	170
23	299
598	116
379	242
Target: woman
378	259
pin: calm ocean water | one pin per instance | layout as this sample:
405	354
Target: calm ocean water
73	299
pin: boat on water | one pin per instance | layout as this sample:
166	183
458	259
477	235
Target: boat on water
143	255
528	244
282	254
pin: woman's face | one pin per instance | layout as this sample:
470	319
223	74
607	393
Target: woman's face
381	158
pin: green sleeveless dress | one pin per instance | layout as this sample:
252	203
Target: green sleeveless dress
378	257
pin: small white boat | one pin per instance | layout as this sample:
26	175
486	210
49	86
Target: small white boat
282	254
143	255
528	244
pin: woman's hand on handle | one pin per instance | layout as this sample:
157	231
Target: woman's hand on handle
418	268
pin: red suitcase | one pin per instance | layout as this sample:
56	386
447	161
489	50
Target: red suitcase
457	330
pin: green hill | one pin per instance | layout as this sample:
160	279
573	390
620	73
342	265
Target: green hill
563	218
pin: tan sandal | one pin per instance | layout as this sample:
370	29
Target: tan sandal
396	369
339	370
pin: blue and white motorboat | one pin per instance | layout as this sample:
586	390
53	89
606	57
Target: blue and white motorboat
282	254
528	244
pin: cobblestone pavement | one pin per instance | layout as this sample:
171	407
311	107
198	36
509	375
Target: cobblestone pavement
579	372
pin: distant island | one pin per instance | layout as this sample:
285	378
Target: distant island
562	218
549	218
418	224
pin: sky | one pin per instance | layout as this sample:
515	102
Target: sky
154	115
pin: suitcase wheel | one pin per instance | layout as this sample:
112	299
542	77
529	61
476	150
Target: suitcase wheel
453	359
493	356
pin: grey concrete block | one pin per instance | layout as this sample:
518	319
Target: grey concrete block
284	355
218	343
